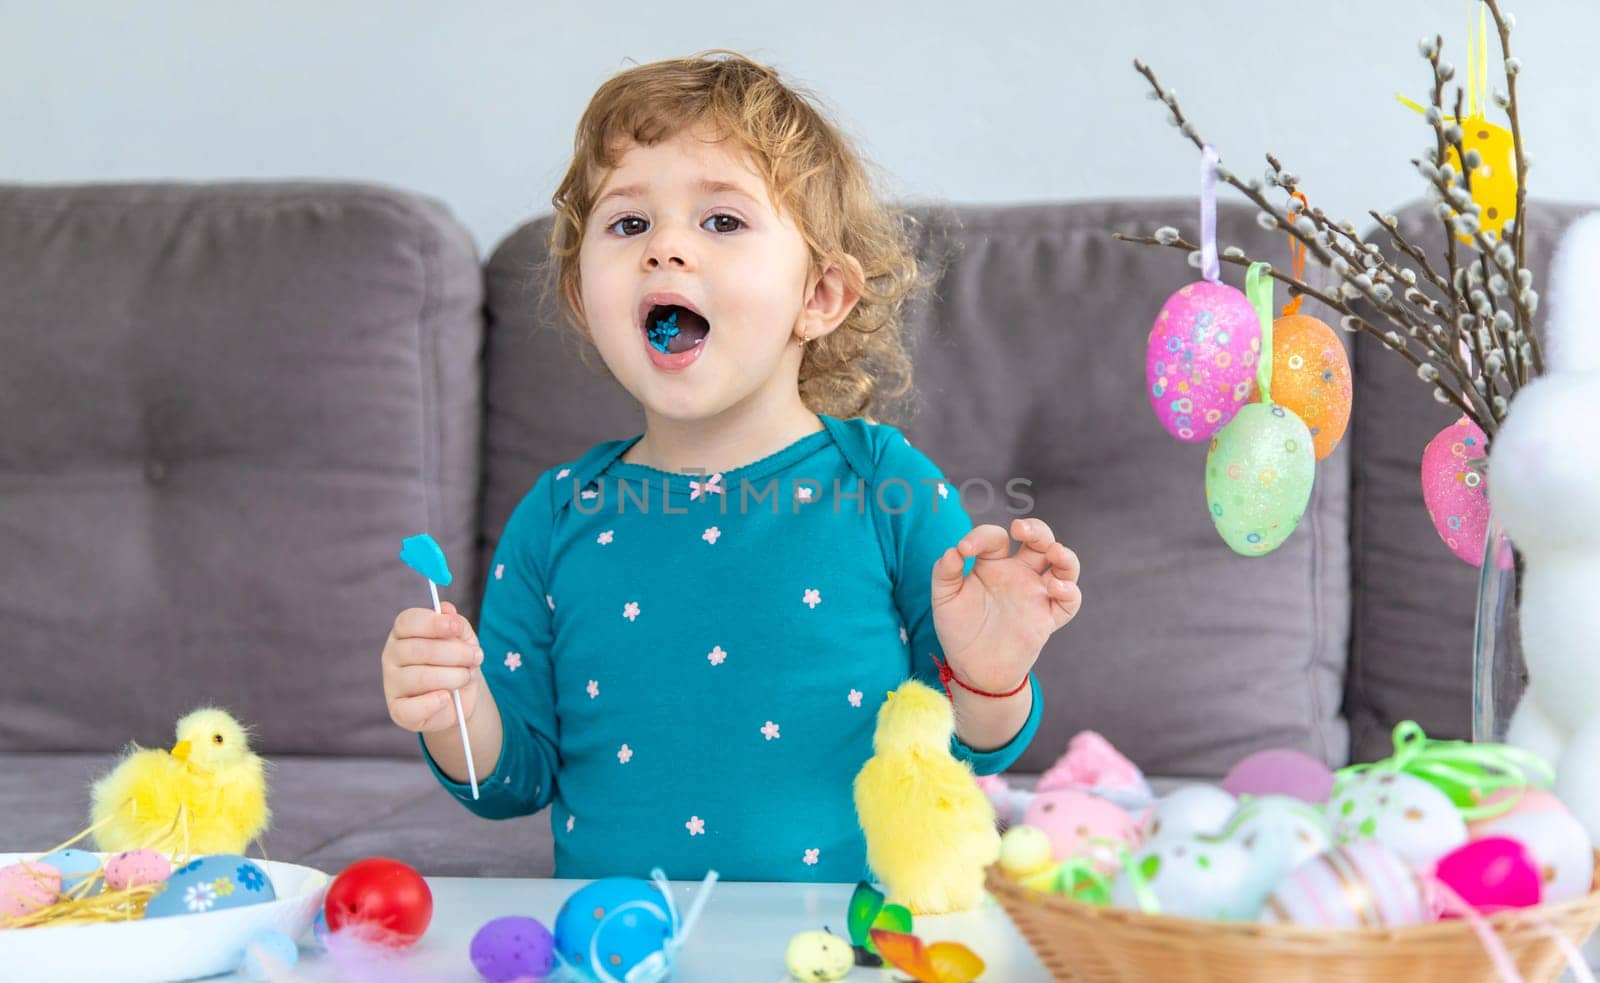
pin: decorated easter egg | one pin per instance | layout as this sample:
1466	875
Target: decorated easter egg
211	883
1258	478
134	867
1311	378
1491	874
1190	811
1202	358
1281	771
1081	824
1494	181
819	956
1361	885
1024	850
1455	488
383	899
1518	800
267	955
511	948
1558	842
76	866
1415	820
621	921
1191	876
1280	833
27	887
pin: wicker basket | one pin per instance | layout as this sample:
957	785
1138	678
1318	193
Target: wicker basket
1088	944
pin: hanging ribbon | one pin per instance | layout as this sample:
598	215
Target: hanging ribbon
1297	254
1258	287
1478	65
1210	265
1465	772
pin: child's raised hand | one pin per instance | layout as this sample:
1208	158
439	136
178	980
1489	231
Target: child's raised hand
427	655
994	621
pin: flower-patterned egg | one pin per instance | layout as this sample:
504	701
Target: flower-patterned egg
1311	378
1258	478
135	867
1190	811
1361	885
27	887
76	866
212	883
1280	833
1455	488
1559	844
1081	824
1402	812
1201	359
1189	876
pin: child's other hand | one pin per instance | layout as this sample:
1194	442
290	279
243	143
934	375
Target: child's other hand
427	655
993	622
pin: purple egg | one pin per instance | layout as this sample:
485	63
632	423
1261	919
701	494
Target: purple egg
1280	771
511	948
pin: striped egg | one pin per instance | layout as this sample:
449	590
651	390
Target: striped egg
1362	885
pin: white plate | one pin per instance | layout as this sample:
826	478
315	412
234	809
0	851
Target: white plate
178	948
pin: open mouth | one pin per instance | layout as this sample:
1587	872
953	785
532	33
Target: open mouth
672	329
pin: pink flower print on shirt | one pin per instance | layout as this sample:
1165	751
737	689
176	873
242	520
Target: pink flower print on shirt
804	493
811	857
569	824
696	826
711	535
944	492
593	689
904	638
625	754
717	655
563	473
550	601
854	698
499	570
513	661
589	493
770	730
630	610
711	486
606	537
813	597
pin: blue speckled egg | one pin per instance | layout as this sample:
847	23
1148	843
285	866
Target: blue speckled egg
76	866
213	883
624	919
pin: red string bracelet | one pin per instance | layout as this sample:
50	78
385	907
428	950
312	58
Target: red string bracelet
946	675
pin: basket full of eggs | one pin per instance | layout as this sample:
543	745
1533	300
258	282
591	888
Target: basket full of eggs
1446	862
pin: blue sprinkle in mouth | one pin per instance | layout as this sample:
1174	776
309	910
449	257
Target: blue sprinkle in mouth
663	331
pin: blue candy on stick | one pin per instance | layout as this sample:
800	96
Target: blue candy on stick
422	554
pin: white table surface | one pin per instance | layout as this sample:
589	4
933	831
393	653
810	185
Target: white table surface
740	938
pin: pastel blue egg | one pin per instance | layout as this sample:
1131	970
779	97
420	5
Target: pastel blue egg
214	883
626	919
76	866
268	950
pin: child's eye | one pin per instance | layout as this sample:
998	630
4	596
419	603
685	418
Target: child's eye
634	229
732	224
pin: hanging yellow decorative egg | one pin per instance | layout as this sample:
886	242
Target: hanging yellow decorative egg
1494	180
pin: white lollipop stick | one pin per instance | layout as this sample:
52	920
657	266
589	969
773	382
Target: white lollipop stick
461	718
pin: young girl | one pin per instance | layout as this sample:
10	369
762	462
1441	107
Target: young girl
687	634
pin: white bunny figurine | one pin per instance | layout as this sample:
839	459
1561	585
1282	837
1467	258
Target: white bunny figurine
1544	489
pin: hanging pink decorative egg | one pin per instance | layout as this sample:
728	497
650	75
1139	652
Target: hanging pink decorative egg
1201	360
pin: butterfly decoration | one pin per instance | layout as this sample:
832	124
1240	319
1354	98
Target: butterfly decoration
868	912
941	962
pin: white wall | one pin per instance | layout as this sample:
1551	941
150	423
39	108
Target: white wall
474	102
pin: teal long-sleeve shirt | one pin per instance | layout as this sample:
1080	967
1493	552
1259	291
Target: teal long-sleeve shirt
688	668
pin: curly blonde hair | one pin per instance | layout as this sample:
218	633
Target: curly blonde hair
814	175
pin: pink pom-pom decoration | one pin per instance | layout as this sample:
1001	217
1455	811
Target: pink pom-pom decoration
1281	771
1201	360
1093	764
1456	491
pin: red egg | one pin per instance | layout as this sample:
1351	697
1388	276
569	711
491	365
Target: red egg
1492	874
382	899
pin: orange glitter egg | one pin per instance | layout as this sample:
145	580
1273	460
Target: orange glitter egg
1311	377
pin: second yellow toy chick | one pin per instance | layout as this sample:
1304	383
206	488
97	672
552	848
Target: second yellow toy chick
930	830
207	795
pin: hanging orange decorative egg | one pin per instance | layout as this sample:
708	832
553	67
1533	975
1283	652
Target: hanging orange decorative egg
1311	377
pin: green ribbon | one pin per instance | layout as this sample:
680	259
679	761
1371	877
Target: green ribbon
1258	287
1467	773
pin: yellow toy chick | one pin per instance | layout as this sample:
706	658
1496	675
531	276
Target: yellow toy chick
930	829
207	795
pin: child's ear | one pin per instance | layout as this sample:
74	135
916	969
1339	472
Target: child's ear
830	297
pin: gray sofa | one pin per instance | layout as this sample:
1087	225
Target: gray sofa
223	406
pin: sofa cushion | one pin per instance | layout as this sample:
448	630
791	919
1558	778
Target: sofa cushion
224	407
1414	601
1030	365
